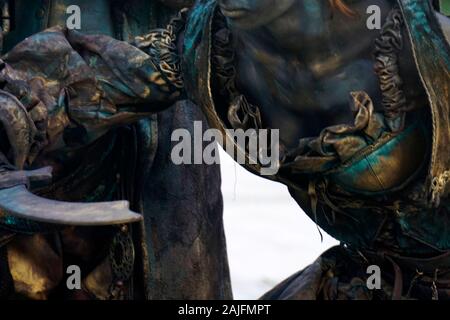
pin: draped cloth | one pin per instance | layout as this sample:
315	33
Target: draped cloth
432	55
94	82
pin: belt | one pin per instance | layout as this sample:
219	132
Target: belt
426	269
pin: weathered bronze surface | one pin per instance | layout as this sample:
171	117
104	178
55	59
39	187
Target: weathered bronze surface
104	142
373	173
383	205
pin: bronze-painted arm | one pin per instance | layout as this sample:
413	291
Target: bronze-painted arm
58	80
67	79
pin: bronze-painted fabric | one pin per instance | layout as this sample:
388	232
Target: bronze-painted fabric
339	274
92	90
91	82
389	213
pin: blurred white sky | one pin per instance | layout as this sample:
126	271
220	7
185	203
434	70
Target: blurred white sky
268	236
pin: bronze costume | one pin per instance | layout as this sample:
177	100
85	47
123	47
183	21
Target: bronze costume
114	147
378	184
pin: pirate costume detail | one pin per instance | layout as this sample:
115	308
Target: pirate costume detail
379	185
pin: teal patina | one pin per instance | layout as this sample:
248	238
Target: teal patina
361	216
197	25
432	54
345	193
385	161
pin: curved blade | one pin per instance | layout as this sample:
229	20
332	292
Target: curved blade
20	202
